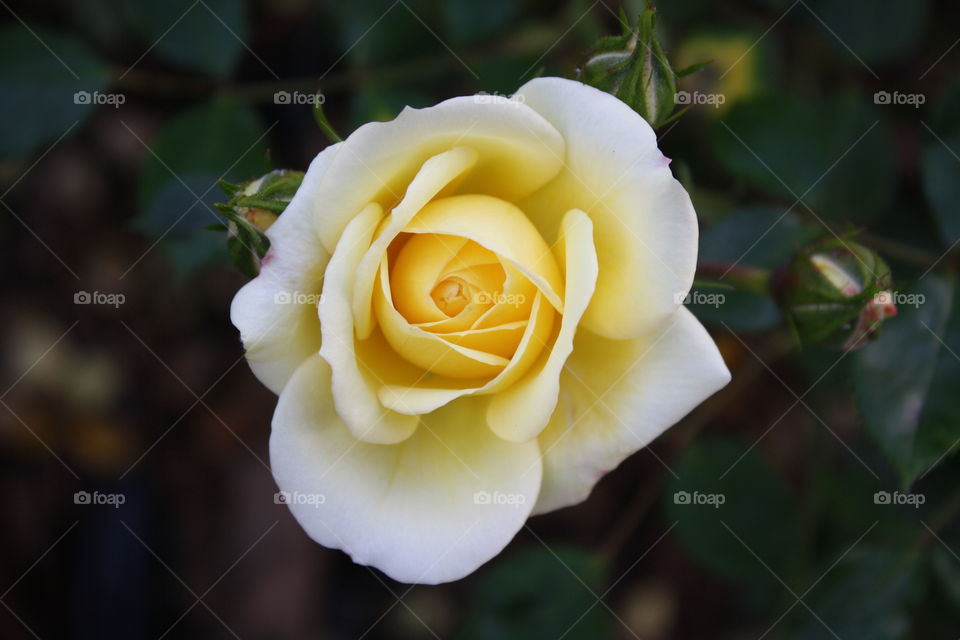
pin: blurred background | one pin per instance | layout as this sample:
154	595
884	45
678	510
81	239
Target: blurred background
815	497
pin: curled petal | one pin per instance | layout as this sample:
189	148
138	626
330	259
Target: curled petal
355	383
521	411
436	174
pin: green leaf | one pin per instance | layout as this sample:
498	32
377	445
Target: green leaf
176	219
204	36
755	508
756	236
873	30
540	594
219	138
753	237
946	119
906	381
190	155
867	595
829	151
946	568
40	93
941	167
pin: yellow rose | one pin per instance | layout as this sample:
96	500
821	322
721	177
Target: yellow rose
470	314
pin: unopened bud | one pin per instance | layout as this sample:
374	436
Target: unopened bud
252	208
835	292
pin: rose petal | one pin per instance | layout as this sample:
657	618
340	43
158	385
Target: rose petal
436	174
618	395
278	325
423	398
428	350
518	152
521	411
645	227
502	228
354	380
414	510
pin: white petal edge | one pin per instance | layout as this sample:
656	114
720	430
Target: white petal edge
413	510
645	227
518	152
644	387
521	412
278	335
354	386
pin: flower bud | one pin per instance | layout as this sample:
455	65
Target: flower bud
633	67
254	206
835	292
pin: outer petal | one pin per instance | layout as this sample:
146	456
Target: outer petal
277	328
414	510
644	224
518	152
520	412
354	384
618	395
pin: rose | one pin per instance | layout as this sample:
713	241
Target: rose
405	393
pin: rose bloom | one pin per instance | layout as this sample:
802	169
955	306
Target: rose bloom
500	323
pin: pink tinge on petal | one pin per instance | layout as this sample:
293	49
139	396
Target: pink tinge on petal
267	258
665	162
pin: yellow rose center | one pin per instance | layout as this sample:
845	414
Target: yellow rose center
451	296
466	304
